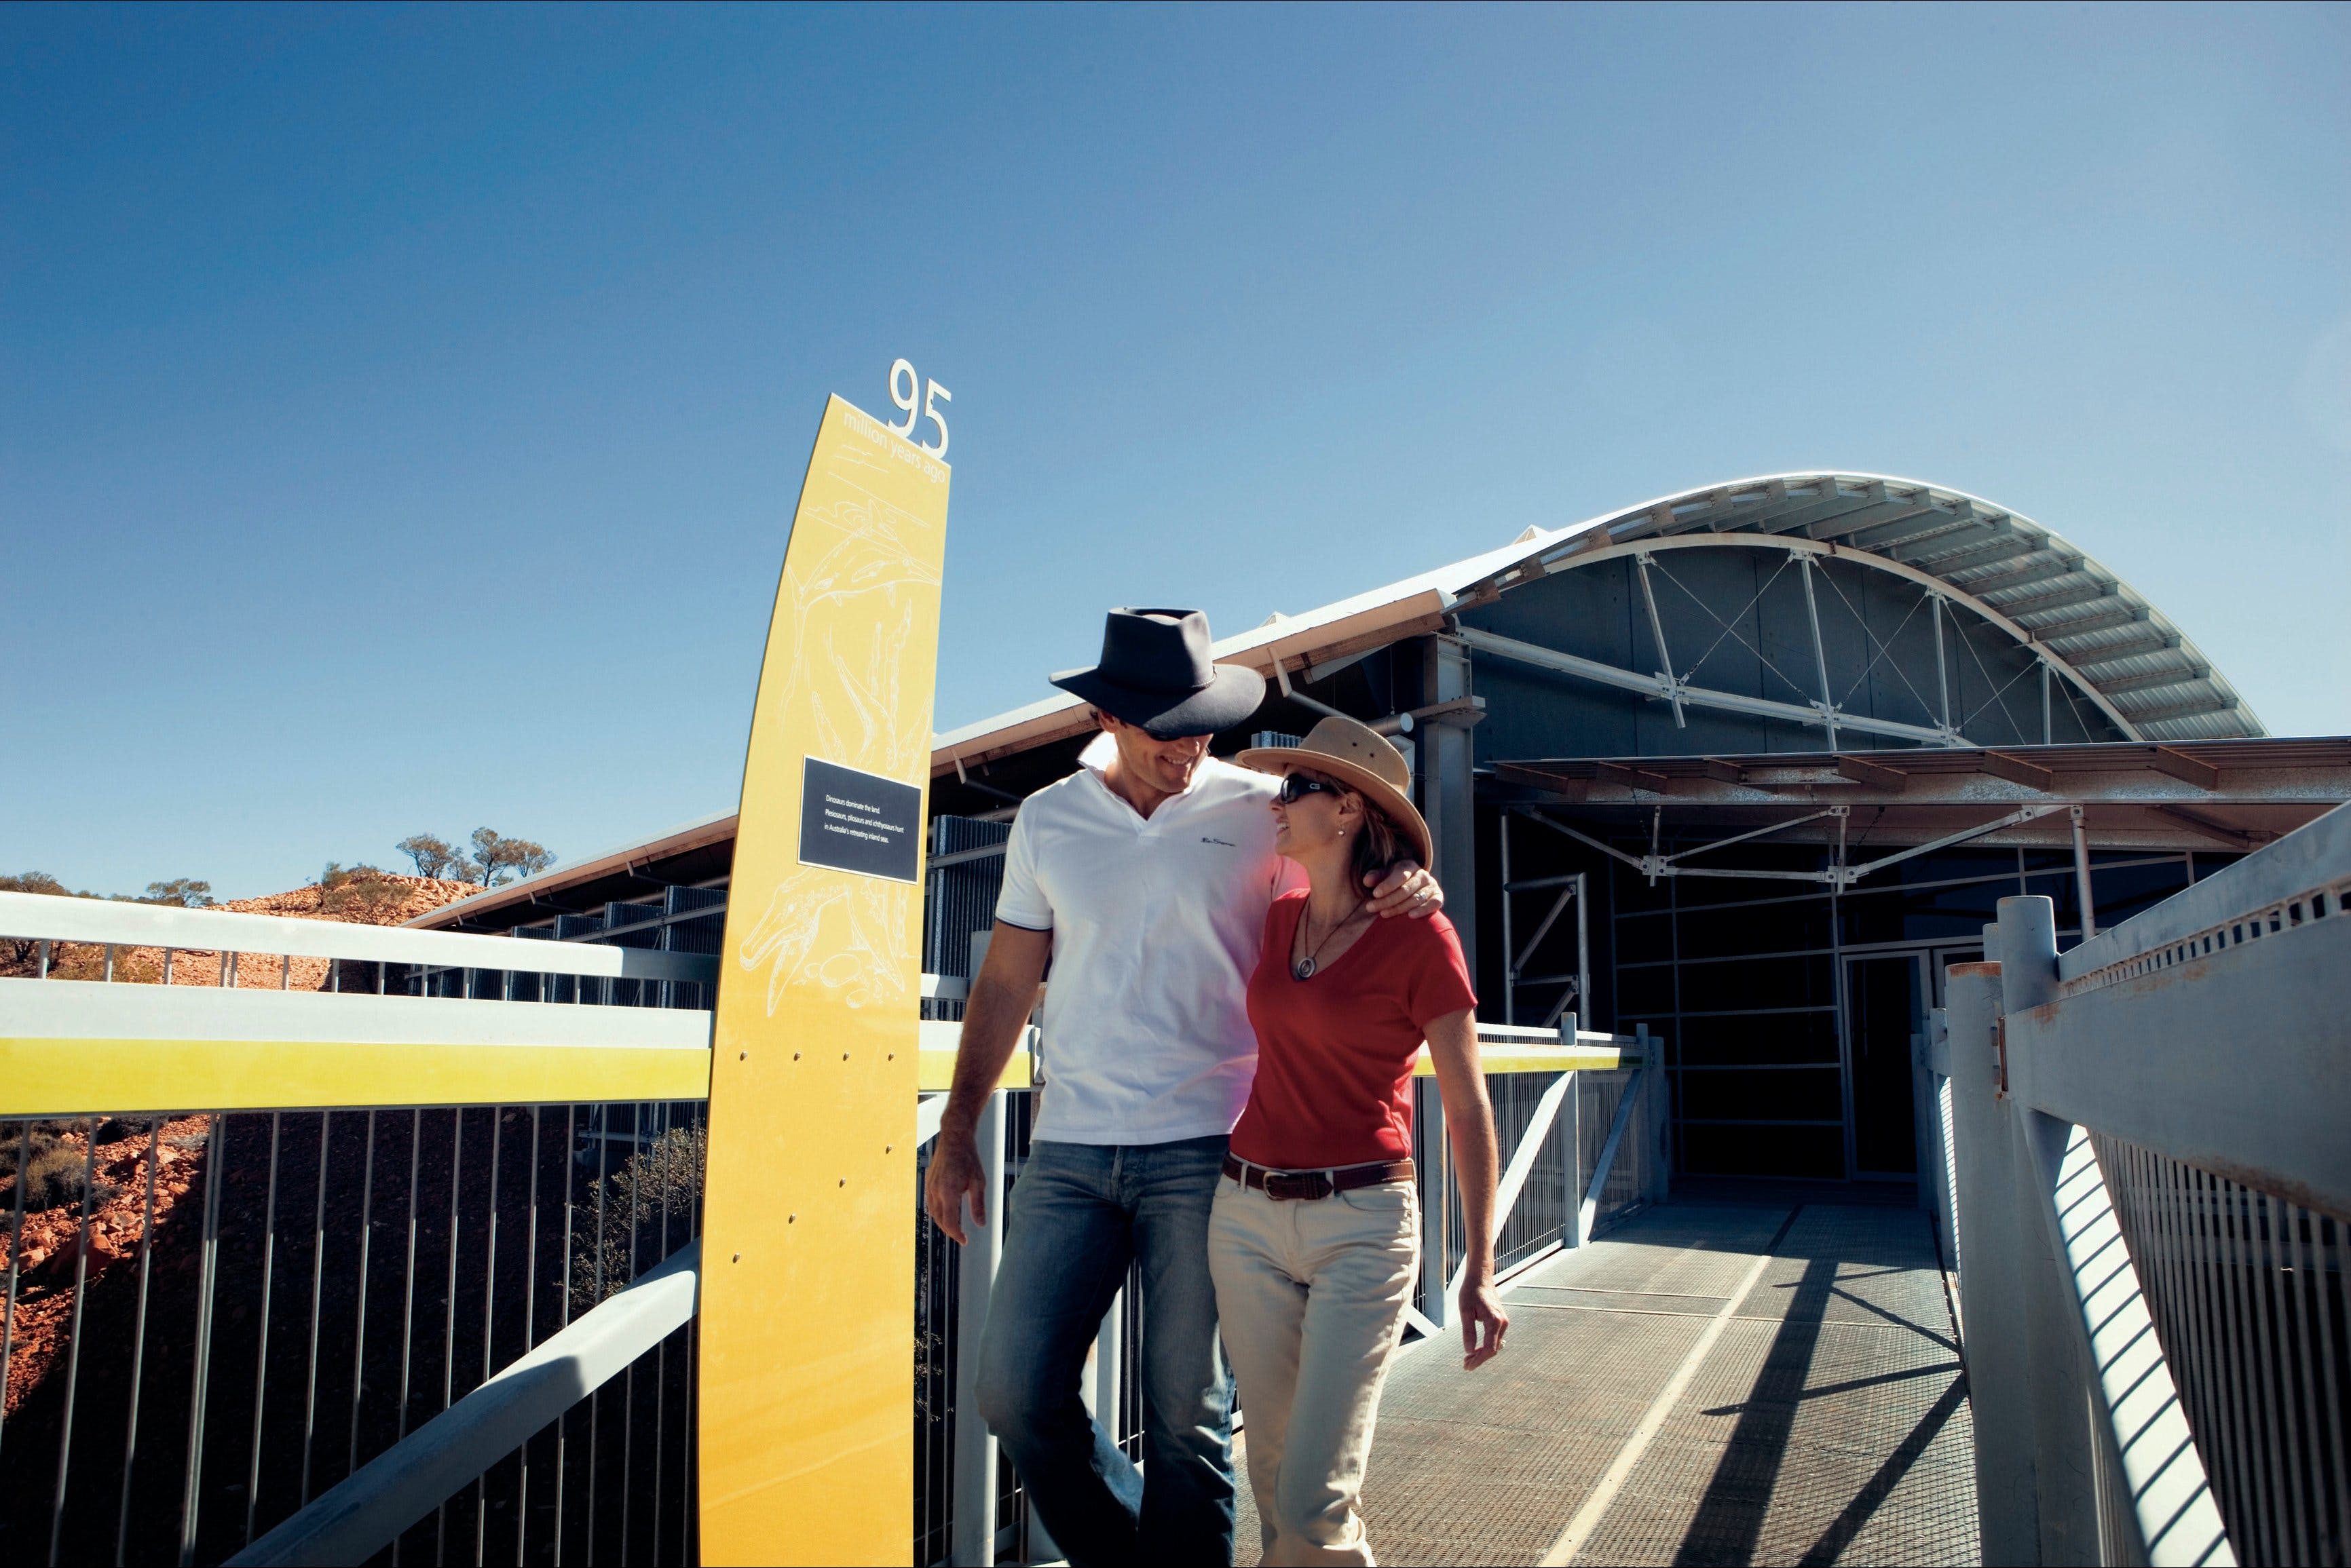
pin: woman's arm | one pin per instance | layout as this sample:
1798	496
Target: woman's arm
1476	1161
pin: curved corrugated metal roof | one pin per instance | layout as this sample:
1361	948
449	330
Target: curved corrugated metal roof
2093	626
2072	607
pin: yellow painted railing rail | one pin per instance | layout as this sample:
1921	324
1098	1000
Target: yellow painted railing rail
77	1047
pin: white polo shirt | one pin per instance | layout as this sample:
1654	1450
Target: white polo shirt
1156	925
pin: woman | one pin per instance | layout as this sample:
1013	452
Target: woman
1314	1239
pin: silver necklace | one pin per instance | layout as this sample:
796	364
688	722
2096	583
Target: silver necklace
1304	967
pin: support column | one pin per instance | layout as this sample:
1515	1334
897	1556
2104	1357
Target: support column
2007	1514
2082	877
1448	799
2065	1463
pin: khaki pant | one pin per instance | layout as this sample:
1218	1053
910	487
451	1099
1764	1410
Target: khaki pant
1310	1294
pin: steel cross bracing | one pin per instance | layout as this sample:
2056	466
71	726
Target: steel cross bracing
1825	712
1839	873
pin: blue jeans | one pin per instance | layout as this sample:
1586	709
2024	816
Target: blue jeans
1081	1214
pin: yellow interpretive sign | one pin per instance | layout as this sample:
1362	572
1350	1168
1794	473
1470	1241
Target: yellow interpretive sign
807	1332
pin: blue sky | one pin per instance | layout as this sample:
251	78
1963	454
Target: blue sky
400	409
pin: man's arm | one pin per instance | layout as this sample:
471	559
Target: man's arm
1406	889
1003	994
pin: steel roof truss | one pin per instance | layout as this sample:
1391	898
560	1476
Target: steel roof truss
2057	598
1657	630
2190	709
2148	639
2124	613
2155	679
1849	874
1872	514
1960	542
2036	564
1696	696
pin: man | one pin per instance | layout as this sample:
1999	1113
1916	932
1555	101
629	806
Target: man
1145	877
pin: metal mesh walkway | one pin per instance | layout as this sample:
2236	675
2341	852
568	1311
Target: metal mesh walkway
1826	1422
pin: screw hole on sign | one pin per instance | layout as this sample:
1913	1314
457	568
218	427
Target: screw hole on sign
738	1257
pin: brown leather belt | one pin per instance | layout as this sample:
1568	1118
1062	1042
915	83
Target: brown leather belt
1282	1185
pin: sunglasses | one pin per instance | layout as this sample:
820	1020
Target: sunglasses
1296	787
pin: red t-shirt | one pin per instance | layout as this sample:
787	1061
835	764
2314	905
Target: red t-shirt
1334	1053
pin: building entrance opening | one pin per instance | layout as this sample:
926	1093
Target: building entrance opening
1886	1012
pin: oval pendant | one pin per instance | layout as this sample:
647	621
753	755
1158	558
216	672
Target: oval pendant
1303	969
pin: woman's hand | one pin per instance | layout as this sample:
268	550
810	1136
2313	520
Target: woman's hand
1483	1323
1406	889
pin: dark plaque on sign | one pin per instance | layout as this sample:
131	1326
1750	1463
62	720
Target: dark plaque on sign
853	821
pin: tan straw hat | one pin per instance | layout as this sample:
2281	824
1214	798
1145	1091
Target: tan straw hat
1359	757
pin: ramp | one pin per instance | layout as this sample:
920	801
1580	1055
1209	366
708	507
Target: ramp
1820	1415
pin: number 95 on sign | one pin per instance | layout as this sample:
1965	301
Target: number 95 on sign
919	401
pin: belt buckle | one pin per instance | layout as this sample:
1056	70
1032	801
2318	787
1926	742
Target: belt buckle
1283	1186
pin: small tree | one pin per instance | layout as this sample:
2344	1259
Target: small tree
433	856
496	859
181	891
34	882
364	892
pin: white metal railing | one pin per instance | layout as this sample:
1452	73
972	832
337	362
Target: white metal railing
2150	1179
1601	1075
46	919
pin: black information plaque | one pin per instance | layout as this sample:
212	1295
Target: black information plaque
859	822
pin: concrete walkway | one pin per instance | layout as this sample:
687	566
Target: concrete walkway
1717	1382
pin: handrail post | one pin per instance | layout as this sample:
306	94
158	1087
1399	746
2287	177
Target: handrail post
2057	1377
972	1544
1997	1364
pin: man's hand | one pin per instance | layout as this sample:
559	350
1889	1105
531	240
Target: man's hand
1480	1308
955	1174
1406	889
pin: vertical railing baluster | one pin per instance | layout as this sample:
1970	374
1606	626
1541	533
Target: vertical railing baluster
359	1332
529	1329
207	1273
2336	1264
73	1333
2288	1421
449	1313
596	1397
697	1122
2244	1527
318	1291
2309	1419
563	1305
2264	1384
138	1338
2204	1313
490	1301
261	1350
408	1291
15	1252
661	1163
636	1168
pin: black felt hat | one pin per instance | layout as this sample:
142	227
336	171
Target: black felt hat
1156	672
